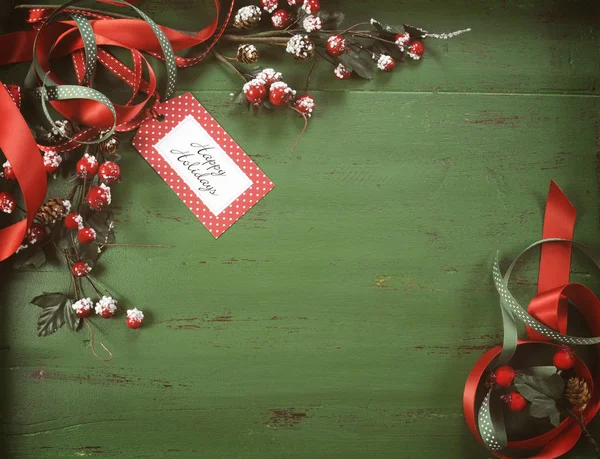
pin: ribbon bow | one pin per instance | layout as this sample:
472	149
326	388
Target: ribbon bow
546	319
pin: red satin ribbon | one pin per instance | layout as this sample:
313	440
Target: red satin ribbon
60	39
550	306
22	152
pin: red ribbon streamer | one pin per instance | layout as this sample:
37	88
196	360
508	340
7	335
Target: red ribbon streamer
22	152
60	39
549	306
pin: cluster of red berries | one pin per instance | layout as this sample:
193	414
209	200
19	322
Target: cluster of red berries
282	18
269	83
106	307
564	359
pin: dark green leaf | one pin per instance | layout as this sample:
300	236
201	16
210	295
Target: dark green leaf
240	98
362	65
555	418
56	311
331	21
539	371
532	387
62	237
544	407
414	32
378	25
31	256
101	222
89	252
49	299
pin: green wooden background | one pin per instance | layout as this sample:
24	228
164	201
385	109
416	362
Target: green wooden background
340	317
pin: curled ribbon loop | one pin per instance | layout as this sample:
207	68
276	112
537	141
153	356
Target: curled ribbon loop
546	319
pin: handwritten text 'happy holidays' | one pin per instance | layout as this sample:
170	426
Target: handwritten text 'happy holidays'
201	165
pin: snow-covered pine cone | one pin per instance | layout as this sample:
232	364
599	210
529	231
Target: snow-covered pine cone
247	17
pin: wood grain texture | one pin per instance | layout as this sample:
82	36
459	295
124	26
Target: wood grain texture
341	315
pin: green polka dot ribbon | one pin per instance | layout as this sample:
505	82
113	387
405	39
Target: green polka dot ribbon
491	424
512	311
49	90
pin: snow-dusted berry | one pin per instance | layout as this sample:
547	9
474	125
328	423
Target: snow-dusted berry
402	40
281	94
80	269
281	19
9	173
36	233
87	166
269	5
109	172
269	76
416	50
311	6
135	318
8	203
312	23
106	307
342	72
305	104
255	91
294	2
336	45
386	63
86	235
52	162
99	197
83	307
301	47
73	221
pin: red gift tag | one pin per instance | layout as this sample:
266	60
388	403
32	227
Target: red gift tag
201	163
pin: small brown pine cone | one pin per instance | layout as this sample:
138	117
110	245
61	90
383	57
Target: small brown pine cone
60	131
247	54
247	17
54	209
577	392
301	47
110	145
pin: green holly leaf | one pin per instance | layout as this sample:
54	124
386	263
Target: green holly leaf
361	64
532	387
545	408
31	256
56	311
331	21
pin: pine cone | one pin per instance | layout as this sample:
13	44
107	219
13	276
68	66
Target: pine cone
248	54
247	17
60	131
577	392
110	145
52	210
301	47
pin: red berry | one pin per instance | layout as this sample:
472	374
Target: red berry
294	2
564	359
336	45
106	307
9	173
73	221
342	72
80	269
281	94
311	6
416	50
109	172
255	91
84	307
99	197
269	5
305	104
505	376
135	318
87	166
281	19
402	40
515	401
268	77
86	235
386	63
8	203
106	313
36	233
52	162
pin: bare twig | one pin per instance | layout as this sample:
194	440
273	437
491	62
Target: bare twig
303	129
223	59
581	421
101	344
164	246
